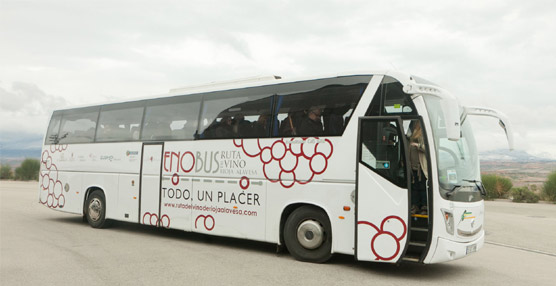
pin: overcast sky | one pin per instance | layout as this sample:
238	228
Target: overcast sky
500	54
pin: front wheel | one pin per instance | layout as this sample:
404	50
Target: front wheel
96	210
308	235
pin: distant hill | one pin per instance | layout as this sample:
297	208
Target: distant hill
521	167
513	156
14	157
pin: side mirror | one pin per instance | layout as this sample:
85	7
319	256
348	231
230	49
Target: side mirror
504	121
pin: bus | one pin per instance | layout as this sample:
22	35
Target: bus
320	165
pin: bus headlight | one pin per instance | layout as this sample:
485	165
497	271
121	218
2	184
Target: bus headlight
448	220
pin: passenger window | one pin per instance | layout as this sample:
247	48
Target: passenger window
323	110
53	128
119	124
78	127
236	114
172	119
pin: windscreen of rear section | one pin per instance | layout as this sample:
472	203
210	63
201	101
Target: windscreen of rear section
73	126
53	128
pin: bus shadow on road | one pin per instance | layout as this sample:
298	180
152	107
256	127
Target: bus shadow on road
175	234
404	270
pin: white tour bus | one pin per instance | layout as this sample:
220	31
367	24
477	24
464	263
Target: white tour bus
320	165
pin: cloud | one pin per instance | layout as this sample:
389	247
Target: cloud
26	108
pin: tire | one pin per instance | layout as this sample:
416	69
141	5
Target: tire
95	210
308	234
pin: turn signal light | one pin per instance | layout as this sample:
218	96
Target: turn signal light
448	220
347	208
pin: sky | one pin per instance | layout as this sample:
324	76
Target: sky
56	54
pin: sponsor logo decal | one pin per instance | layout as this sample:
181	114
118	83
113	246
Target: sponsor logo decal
466	215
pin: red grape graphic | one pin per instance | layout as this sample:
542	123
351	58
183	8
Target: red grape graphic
290	160
152	219
385	237
51	193
211	224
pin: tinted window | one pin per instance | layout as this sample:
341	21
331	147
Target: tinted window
53	127
240	113
382	149
78	125
390	99
171	118
318	108
119	124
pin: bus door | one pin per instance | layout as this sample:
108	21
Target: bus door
382	191
149	193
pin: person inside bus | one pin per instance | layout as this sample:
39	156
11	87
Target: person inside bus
288	126
418	161
334	120
260	127
311	124
241	127
225	128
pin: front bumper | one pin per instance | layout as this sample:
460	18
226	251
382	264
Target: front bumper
448	250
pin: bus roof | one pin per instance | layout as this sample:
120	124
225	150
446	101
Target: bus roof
403	78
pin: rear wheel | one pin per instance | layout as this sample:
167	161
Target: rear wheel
308	235
96	210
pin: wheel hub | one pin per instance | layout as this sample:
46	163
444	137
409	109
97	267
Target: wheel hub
95	209
310	234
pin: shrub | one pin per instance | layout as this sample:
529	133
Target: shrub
29	170
496	187
549	188
6	172
523	194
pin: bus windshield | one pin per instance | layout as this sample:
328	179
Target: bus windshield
457	161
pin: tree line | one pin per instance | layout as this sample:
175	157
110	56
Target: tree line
497	187
27	171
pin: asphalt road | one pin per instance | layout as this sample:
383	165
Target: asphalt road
39	246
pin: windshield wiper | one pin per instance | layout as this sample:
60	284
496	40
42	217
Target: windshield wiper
455	188
479	186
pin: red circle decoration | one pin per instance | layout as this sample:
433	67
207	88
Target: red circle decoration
144	215
266	155
314	160
379	257
244	183
283	182
213	223
155	219
61	201
162	221
175	179
277	152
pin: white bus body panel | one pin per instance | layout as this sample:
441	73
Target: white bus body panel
150	186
